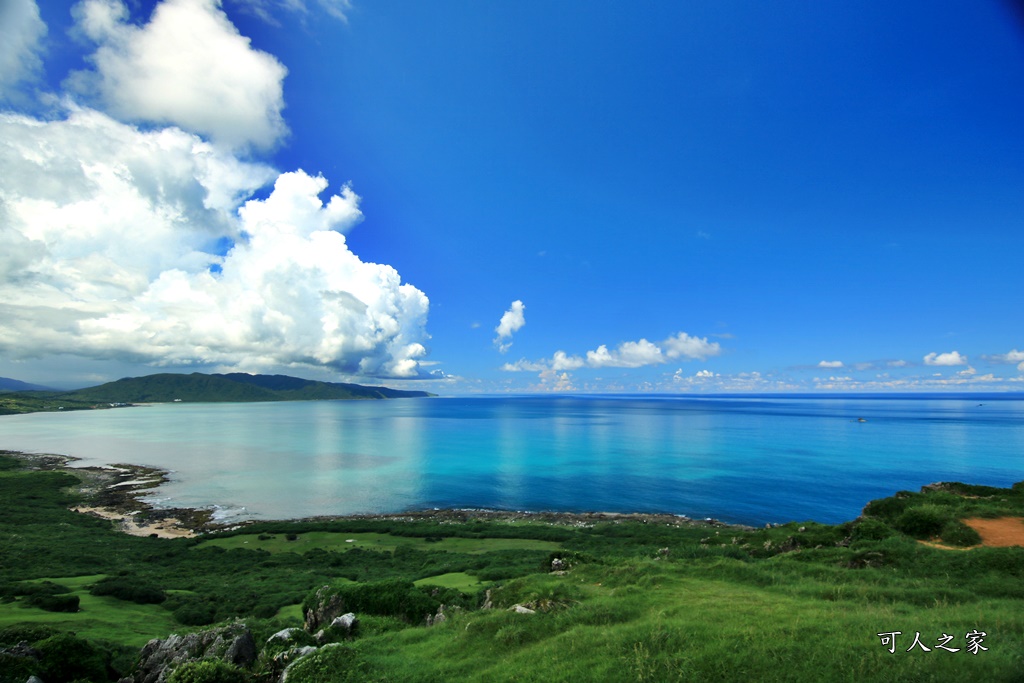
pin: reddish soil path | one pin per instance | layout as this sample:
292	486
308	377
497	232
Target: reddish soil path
999	533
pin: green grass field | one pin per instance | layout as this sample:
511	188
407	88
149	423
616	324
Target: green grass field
341	542
639	602
460	581
99	617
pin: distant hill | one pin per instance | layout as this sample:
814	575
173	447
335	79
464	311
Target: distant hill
8	384
234	387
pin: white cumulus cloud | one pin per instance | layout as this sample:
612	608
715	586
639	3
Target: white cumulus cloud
189	66
630	354
119	243
683	345
830	364
1012	357
511	322
21	34
946	359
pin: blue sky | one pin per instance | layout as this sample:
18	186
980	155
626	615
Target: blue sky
682	197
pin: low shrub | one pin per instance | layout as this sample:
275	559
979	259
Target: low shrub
329	664
65	657
27	632
54	603
868	529
923	521
207	671
887	508
957	533
195	613
130	589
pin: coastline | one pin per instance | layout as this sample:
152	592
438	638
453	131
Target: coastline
114	493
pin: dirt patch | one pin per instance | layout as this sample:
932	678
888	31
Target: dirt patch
999	533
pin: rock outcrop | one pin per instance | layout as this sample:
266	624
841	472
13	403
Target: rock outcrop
233	644
327	606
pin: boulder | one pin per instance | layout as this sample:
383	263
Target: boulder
346	623
284	635
233	644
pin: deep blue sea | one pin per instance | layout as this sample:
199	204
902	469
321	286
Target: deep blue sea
746	460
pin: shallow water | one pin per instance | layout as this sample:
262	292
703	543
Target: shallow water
740	460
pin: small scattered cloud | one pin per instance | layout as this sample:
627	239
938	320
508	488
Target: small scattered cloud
953	358
700	376
630	354
268	10
523	365
1013	357
830	364
897	363
701	234
684	346
511	322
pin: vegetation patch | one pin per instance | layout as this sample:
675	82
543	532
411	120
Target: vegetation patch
343	542
610	599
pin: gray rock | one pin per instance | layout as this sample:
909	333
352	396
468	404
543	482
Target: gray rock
22	649
439	618
34	679
233	644
284	634
326	606
346	623
522	609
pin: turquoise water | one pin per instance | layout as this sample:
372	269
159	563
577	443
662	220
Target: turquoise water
740	460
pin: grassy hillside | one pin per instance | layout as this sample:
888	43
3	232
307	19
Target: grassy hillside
196	387
657	601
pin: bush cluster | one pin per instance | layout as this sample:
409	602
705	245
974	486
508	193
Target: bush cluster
130	588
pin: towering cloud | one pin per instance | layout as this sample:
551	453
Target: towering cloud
148	246
21	32
116	242
188	66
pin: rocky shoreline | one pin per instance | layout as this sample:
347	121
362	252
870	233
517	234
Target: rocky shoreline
114	492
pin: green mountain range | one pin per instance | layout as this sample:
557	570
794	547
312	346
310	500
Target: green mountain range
197	387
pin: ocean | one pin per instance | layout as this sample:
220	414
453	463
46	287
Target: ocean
749	460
